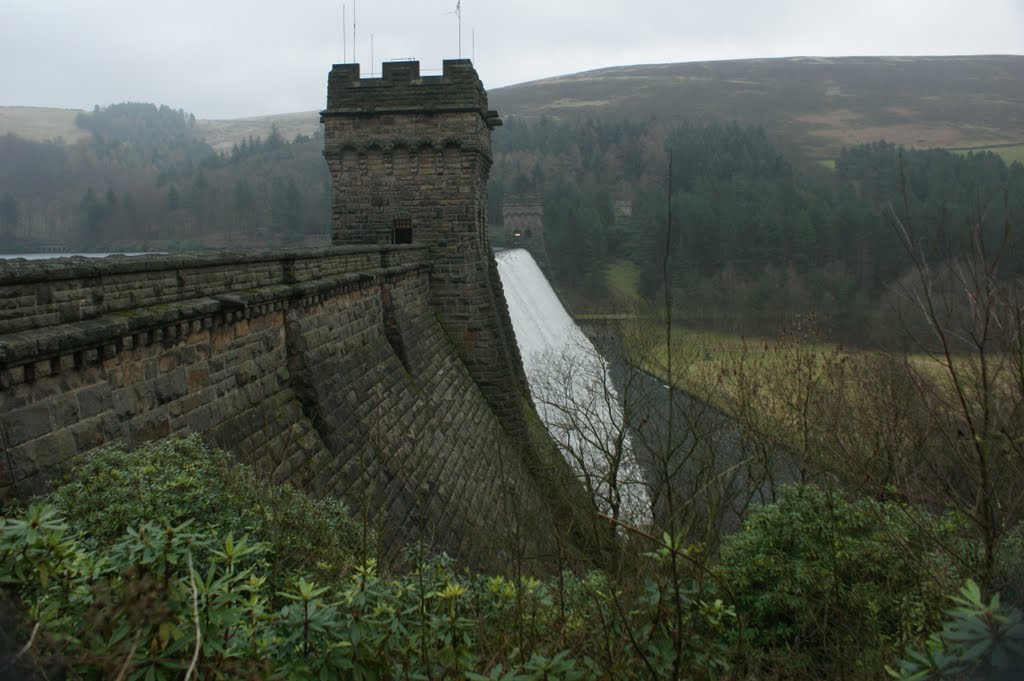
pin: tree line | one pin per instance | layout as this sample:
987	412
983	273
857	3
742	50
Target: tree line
756	234
145	181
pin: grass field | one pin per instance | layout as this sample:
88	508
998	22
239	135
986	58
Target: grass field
1010	153
222	134
788	388
622	277
40	124
820	104
709	364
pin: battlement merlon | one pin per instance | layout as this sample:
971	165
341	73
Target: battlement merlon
401	89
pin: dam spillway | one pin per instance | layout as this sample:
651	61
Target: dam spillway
572	389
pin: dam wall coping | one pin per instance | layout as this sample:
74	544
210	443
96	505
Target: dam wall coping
110	333
122	291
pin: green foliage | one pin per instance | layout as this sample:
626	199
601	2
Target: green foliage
1009	578
160	601
178	481
166	559
982	640
171	558
827	586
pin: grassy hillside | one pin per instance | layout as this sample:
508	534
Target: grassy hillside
221	134
820	104
40	124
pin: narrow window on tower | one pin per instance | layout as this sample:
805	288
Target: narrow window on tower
403	231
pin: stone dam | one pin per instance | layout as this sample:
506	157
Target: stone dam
382	370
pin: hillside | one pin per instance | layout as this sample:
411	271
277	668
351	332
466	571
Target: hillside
818	104
222	134
41	124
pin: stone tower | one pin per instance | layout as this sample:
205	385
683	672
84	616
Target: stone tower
409	157
523	217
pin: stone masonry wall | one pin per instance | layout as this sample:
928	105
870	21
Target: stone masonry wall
408	426
524	215
411	151
387	375
326	369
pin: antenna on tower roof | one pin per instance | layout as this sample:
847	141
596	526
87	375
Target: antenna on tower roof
344	34
458	13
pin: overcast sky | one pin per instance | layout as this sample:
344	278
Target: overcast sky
229	58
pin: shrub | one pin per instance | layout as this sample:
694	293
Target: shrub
157	602
979	640
167	602
828	586
175	481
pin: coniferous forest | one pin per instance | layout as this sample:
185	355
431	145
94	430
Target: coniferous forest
144	181
756	234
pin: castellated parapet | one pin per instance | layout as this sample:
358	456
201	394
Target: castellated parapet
409	155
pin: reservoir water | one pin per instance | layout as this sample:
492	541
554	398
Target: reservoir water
48	256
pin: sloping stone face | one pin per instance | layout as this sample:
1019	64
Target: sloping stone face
327	369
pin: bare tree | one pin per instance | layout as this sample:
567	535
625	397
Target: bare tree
972	382
590	422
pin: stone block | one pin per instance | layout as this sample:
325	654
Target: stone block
51	451
125	404
170	387
64	410
25	424
12	376
150	426
89	434
16	467
196	377
167	362
41	369
94	401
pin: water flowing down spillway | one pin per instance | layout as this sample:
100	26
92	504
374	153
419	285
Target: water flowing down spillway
572	389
